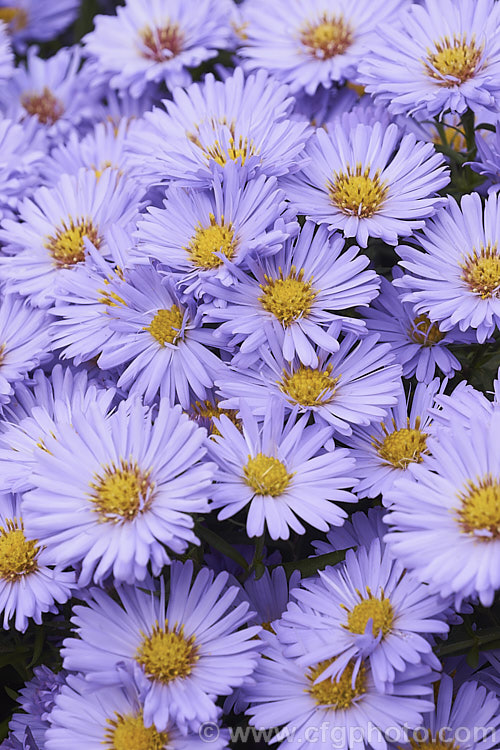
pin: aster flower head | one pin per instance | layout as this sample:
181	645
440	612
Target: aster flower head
467	713
24	342
30	20
453	277
280	473
311	43
441	55
384	451
31	583
157	41
201	235
117	492
290	298
420	345
159	338
368	610
23	150
37	406
36	699
210	124
54	225
360	530
488	156
328	713
368	182
443	512
110	718
355	385
53	91
181	653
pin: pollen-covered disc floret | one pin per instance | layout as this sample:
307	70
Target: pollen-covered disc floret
120	493
328	36
481	272
307	386
166	326
66	245
288	298
166	654
211	242
18	555
339	693
479	509
266	475
129	731
356	193
376	609
402	446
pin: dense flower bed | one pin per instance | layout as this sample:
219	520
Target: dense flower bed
249	421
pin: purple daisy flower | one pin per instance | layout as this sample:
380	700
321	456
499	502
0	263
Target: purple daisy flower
114	493
202	235
280	472
290	298
419	345
37	406
355	385
208	125
24	342
365	609
454	276
311	43
53	91
440	55
358	531
36	700
158	41
85	719
54	225
444	512
348	712
368	182
30	581
29	20
385	450
159	338
182	653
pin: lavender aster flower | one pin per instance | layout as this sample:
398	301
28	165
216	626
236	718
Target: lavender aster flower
157	41
366	609
113	717
323	712
454	277
355	385
208	125
37	700
420	346
367	183
202	235
30	581
181	653
29	20
443	512
115	493
358	531
55	223
440	55
290	298
311	43
280	472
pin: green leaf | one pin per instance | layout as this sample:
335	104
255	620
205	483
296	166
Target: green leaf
311	565
220	544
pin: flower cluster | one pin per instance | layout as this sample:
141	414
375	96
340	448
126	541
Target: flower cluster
249	428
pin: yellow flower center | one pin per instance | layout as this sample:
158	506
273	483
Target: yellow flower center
120	493
167	655
15	18
403	446
66	246
328	37
166	325
355	193
424	332
17	554
480	509
207	411
129	733
266	475
207	241
47	107
481	272
453	57
288	299
433	744
239	148
378	610
308	386
338	693
160	44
